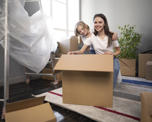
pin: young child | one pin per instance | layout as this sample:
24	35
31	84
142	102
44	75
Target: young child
82	30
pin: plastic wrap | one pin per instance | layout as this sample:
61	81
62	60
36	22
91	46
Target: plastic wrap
2	14
30	40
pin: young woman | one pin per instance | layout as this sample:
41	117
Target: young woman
103	42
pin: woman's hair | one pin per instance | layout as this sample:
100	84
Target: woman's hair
106	28
80	23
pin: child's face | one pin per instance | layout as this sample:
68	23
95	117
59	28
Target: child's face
82	30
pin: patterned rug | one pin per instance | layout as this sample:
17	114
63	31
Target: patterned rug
123	110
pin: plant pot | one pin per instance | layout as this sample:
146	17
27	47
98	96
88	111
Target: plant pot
128	67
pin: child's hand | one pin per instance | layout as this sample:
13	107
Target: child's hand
70	53
73	52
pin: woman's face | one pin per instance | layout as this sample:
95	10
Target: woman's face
82	30
98	24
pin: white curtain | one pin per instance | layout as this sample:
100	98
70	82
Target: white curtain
29	37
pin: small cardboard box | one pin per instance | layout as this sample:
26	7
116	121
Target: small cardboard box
146	107
148	70
87	79
58	75
143	58
49	69
128	67
29	110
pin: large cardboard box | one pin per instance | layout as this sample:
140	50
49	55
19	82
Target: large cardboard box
29	110
146	107
128	67
87	79
142	60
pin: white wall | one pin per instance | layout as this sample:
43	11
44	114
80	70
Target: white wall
121	12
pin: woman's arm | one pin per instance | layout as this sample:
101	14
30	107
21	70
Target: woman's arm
117	52
81	51
115	36
117	49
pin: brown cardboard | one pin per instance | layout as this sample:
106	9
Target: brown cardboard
63	47
49	69
29	110
128	67
146	107
68	45
23	104
87	79
73	43
143	58
148	70
100	63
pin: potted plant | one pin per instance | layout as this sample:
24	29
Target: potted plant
128	40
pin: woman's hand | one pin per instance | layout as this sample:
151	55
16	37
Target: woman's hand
117	52
108	53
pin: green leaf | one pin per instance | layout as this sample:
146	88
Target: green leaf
129	39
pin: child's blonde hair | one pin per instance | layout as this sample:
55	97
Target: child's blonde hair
80	23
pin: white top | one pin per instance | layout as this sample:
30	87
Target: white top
84	38
100	45
88	38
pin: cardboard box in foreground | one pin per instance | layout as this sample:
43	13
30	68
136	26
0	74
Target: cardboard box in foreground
29	110
87	79
146	107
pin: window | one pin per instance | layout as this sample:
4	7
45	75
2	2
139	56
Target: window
64	14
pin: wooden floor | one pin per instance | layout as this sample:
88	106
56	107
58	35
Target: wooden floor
23	91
